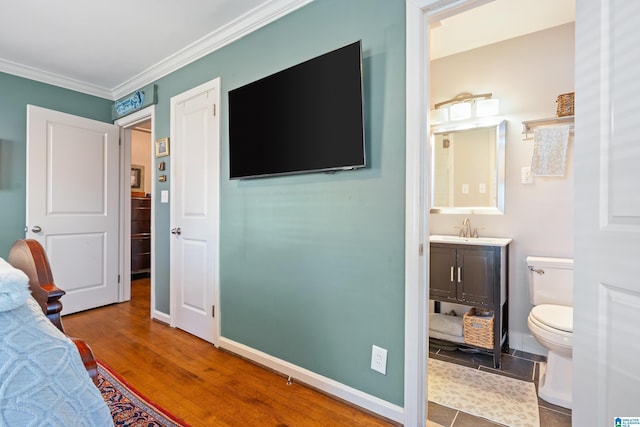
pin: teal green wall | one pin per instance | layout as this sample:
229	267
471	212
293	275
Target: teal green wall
312	266
15	94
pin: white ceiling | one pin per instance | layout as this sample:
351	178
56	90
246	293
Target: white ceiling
495	21
111	48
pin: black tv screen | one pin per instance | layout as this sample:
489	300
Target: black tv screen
306	118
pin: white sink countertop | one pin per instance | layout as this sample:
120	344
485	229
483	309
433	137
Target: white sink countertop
480	241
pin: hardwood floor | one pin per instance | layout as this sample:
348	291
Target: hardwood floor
195	381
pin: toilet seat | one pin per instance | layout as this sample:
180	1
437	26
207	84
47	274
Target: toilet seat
541	322
553	317
551	335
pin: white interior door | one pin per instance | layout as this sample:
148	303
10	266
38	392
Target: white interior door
607	269
195	141
72	203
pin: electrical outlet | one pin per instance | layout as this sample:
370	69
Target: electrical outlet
379	359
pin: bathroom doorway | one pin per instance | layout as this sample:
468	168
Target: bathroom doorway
141	173
137	205
525	68
456	36
141	208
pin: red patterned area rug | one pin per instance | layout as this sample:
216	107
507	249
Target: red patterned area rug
128	407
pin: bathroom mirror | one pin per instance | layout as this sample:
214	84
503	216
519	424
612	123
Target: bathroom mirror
468	167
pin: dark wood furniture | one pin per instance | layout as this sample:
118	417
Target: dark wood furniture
140	234
29	256
476	276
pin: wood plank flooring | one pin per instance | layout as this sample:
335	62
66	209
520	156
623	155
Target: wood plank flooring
196	382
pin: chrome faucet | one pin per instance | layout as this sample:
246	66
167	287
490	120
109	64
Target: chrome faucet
465	230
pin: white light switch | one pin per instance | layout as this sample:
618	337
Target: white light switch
482	188
465	188
527	177
164	196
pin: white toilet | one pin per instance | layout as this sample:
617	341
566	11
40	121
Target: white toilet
551	323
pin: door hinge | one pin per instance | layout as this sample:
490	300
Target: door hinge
119	142
214	110
421	249
118	278
213	311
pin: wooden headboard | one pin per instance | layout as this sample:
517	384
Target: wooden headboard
29	256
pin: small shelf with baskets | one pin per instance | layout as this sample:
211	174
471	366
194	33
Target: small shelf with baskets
565	111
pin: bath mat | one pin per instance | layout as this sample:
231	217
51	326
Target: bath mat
494	397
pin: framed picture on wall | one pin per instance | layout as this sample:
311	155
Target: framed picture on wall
162	147
137	177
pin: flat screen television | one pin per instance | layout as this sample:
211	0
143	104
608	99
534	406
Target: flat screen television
307	118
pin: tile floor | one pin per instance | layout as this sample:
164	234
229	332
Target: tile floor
516	364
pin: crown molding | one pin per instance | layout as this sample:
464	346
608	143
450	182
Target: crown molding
246	24
251	21
36	74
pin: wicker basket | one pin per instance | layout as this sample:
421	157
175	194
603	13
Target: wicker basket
478	330
565	105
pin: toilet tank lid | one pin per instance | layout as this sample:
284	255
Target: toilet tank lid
538	261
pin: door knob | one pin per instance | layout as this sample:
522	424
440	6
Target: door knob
176	231
36	229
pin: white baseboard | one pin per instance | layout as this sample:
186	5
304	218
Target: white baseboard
327	385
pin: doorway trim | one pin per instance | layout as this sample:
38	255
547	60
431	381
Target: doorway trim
126	124
415	348
417	187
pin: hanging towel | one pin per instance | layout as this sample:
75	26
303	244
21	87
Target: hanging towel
550	151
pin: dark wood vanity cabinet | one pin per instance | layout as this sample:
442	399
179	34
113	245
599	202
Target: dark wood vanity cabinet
475	276
140	234
464	275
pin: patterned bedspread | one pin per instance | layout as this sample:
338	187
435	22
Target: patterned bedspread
42	378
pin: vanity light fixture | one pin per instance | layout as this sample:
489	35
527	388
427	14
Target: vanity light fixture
465	106
487	107
460	111
439	116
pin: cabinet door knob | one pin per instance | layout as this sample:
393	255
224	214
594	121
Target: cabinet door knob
452	273
459	275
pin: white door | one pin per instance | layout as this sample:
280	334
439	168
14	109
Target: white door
607	227
72	203
195	141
